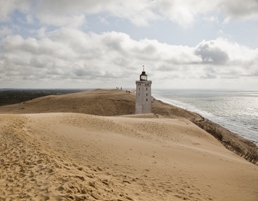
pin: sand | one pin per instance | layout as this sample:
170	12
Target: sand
72	156
118	102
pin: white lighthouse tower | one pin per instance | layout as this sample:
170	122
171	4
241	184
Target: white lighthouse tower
143	95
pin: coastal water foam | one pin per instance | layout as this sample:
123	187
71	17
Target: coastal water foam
234	110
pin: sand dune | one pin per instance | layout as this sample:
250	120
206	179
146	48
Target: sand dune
85	157
118	102
97	102
69	153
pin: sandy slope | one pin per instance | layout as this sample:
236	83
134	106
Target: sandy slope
98	102
84	157
118	102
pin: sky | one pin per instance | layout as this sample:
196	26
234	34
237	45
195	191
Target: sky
183	44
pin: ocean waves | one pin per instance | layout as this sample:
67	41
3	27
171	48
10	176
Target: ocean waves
235	110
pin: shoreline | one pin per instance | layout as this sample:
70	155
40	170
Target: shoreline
232	141
245	130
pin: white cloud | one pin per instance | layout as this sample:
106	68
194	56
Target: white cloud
62	21
70	54
41	33
231	59
62	51
139	12
103	20
212	19
7	7
5	31
184	12
29	19
220	31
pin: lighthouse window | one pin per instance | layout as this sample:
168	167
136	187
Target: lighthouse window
146	94
146	89
146	99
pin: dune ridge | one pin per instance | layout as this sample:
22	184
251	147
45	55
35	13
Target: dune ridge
117	102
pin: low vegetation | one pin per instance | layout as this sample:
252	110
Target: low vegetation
13	96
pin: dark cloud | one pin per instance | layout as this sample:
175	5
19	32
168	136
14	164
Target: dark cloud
115	44
211	55
239	9
38	62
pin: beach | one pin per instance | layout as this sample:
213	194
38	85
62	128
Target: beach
90	146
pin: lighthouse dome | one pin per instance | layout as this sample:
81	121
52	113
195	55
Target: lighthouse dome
143	76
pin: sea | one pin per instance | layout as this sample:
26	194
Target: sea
235	110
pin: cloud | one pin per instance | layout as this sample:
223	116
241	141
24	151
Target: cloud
239	9
213	19
62	21
227	60
7	7
70	55
50	41
58	13
103	20
139	12
211	54
185	12
221	51
5	31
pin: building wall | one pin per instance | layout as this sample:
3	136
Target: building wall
143	97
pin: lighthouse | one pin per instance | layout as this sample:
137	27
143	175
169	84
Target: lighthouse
143	95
